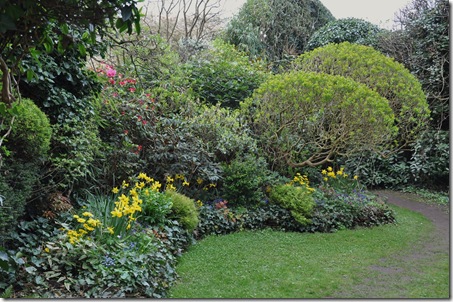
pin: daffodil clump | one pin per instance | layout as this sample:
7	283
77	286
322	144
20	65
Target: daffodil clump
115	216
302	181
340	180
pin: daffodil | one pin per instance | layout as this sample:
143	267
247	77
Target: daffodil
115	190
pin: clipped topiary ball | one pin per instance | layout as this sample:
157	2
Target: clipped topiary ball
31	132
183	210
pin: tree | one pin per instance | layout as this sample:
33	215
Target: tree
422	44
306	119
27	24
351	30
276	28
380	73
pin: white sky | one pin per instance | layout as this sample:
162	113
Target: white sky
379	12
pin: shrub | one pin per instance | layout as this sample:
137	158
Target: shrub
183	210
351	30
305	119
31	132
430	161
296	199
382	74
224	75
245	180
375	170
224	132
336	211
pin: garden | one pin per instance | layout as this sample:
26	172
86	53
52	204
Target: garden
143	156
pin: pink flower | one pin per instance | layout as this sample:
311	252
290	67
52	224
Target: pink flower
111	72
122	83
132	89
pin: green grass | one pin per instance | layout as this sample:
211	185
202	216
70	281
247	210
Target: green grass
270	264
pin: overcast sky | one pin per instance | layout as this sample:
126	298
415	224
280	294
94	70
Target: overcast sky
379	12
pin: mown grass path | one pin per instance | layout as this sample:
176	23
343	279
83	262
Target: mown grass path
407	260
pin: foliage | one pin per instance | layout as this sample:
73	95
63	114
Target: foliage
274	29
76	149
224	132
245	180
375	170
431	196
183	210
44	264
423	45
31	133
150	59
223	75
216	218
430	159
381	74
297	199
305	119
352	30
336	211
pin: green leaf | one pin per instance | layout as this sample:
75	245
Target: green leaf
30	74
82	49
30	269
64	29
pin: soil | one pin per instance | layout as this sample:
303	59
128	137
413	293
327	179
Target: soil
402	268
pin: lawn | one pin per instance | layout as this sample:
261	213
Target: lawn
270	264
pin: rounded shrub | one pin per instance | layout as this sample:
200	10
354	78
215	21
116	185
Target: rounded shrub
31	132
224	75
382	74
345	30
183	210
245	180
298	200
305	119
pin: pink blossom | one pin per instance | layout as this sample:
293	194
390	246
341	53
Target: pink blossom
111	72
132	89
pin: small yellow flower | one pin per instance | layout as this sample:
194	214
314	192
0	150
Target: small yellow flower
324	172
116	213
212	185
340	172
81	220
199	203
111	231
199	181
356	177
142	176
185	183
325	179
140	185
331	174
115	190
170	179
329	169
47	250
124	185
87	214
